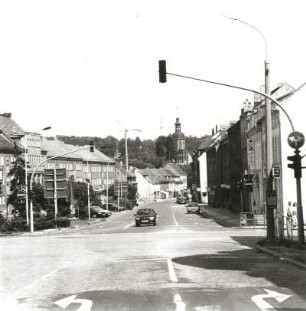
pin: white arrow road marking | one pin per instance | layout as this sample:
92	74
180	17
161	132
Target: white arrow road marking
263	305
180	304
86	304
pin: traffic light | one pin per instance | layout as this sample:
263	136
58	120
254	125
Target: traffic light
162	71
296	164
92	146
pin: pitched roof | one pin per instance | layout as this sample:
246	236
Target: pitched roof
158	175
175	169
9	126
57	147
206	143
6	144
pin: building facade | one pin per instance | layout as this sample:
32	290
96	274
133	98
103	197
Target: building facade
176	146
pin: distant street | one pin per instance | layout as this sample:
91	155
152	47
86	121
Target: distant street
186	262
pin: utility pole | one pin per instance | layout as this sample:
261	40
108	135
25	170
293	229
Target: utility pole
269	157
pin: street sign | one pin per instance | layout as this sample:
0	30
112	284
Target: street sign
50	182
276	171
121	188
296	140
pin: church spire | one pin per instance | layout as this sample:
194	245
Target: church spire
177	126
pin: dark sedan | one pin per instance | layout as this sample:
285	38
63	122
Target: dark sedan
145	216
97	211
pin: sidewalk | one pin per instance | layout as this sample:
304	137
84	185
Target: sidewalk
222	216
292	254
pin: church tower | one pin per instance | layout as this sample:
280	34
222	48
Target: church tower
176	148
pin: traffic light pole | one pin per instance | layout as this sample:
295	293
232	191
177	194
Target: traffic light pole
297	167
269	183
299	210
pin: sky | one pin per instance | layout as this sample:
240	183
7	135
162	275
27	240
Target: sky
90	68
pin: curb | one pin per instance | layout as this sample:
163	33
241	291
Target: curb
292	261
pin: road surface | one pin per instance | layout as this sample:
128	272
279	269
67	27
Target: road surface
186	262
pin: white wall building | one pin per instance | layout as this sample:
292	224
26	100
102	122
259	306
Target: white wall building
203	176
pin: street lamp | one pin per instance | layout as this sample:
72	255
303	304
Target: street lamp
91	147
126	148
269	142
26	167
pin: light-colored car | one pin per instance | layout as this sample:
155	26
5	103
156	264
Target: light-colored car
193	208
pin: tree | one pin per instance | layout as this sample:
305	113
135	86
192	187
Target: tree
17	172
161	146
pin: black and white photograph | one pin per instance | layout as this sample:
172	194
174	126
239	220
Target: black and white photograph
152	155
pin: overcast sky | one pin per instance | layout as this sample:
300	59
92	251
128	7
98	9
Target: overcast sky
79	66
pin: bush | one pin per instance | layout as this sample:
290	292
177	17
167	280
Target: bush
127	203
43	224
63	222
14	226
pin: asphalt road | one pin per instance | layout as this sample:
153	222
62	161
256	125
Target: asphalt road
186	262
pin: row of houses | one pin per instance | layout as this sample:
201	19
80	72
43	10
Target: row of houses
81	165
229	167
161	183
41	153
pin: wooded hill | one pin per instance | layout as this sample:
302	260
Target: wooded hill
146	153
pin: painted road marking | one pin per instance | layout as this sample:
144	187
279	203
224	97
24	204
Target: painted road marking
172	274
41	279
264	305
135	260
174	218
180	304
86	304
130	225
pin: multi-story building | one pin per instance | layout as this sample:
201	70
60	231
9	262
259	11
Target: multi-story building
7	157
40	153
257	152
10	134
80	163
238	161
199	171
218	180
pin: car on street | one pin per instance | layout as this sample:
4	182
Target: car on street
193	208
113	207
145	216
181	200
99	212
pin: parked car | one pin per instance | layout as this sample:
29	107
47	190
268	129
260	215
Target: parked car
181	200
113	207
193	208
145	216
97	211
